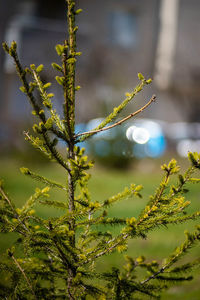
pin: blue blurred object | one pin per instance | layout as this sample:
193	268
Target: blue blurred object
156	146
148	138
102	148
138	139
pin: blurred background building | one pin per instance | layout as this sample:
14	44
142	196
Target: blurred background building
118	39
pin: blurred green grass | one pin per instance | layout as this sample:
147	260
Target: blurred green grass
105	183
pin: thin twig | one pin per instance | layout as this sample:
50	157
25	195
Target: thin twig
26	133
6	198
153	98
153	276
22	271
166	266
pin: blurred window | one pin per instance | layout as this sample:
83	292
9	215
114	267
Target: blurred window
123	25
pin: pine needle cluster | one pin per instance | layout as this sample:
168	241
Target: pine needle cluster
55	258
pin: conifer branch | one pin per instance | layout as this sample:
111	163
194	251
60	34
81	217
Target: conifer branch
23	273
180	251
69	64
39	144
16	215
155	200
66	105
117	110
27	89
48	148
43	179
54	152
153	98
117	241
47	102
67	263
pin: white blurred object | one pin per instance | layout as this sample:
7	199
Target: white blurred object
141	135
153	128
129	133
137	134
148	136
184	146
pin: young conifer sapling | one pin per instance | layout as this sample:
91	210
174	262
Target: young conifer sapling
54	258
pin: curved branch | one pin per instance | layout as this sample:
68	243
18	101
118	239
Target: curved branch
153	98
